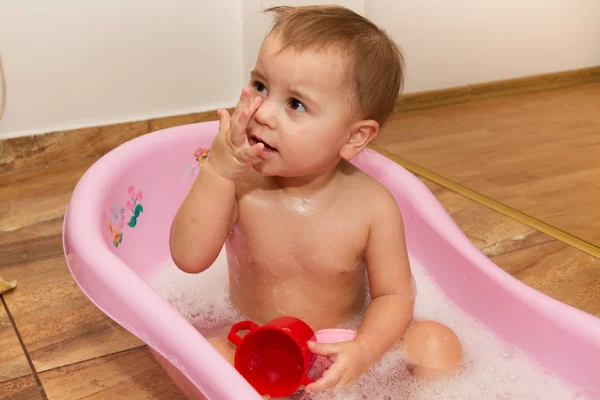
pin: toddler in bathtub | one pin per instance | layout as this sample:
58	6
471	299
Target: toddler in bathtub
306	233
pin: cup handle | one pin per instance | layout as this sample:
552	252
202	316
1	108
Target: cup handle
241	326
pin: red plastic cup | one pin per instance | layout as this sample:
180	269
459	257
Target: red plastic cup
274	358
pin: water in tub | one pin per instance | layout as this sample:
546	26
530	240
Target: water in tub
491	370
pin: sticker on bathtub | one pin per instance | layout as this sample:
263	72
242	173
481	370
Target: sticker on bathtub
115	224
133	208
191	171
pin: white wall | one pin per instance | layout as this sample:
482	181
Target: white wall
452	43
82	63
76	63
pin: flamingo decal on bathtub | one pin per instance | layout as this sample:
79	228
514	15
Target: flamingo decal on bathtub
115	225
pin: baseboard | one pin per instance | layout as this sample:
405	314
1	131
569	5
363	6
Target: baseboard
507	87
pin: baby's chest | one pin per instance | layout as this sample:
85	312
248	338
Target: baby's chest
331	241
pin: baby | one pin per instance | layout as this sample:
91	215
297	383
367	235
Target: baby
306	233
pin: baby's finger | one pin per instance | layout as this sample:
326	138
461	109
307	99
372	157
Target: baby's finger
247	154
254	105
323	349
238	129
242	102
329	380
248	113
345	381
224	120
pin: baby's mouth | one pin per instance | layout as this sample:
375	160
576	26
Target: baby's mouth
253	140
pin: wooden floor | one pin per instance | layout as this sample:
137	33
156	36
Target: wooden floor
54	344
537	153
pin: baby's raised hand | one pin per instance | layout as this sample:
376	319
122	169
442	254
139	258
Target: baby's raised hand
349	362
230	153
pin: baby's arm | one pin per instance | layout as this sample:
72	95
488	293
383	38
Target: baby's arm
391	309
209	211
203	221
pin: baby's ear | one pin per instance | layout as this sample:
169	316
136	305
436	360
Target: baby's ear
361	133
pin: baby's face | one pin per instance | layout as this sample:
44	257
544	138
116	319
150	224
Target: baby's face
305	114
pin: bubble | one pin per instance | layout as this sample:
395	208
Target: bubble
203	299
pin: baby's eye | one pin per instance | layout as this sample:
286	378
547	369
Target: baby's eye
296	105
260	87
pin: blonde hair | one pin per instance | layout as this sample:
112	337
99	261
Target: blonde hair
376	70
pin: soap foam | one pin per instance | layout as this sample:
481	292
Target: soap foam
490	369
203	299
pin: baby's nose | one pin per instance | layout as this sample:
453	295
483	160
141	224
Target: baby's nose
266	114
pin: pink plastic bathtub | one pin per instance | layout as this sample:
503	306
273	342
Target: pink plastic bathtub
116	232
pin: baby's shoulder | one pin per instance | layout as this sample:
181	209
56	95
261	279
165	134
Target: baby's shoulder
366	186
368	190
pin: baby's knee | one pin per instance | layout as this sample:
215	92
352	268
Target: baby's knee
433	347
